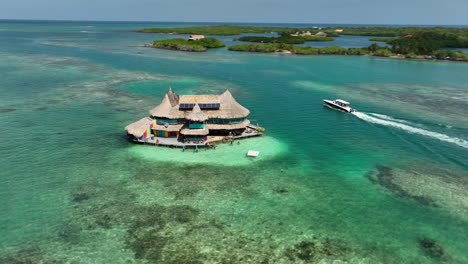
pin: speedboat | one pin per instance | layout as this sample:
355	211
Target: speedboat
339	104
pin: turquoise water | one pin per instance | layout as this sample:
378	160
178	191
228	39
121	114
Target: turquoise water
74	190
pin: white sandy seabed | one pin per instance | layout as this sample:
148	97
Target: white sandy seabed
224	154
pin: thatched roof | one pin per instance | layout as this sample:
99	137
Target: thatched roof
229	107
228	126
196	114
139	127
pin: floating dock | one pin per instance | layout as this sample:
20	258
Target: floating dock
253	153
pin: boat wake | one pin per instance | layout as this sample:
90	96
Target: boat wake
401	124
389	118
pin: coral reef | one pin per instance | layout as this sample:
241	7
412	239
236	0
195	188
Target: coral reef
29	256
193	179
177	232
432	248
427	184
385	178
314	250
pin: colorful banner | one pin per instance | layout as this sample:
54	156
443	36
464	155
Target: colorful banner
147	133
153	124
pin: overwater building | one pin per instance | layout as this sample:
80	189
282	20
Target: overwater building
193	119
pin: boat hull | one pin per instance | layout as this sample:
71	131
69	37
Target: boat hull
332	104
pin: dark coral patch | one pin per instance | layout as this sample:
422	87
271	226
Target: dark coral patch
310	250
148	246
304	250
432	248
280	190
80	196
182	213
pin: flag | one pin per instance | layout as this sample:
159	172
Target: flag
147	133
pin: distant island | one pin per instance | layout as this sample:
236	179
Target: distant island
402	42
284	39
198	45
222	30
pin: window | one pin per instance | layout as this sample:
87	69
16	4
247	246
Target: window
170	121
224	121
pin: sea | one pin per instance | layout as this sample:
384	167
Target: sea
385	184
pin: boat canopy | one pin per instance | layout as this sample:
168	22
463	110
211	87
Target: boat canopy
342	101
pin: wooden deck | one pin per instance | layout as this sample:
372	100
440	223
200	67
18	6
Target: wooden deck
175	142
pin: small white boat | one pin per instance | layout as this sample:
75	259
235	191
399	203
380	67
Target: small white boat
339	104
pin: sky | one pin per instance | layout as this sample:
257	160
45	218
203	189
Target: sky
418	12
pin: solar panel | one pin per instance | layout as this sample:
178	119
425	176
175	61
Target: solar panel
209	106
186	106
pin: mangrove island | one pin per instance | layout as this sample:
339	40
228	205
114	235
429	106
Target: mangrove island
196	45
401	42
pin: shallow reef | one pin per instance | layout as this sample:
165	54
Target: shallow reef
385	178
31	255
175	230
427	184
193	179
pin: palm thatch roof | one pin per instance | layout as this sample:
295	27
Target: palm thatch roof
139	127
229	107
196	114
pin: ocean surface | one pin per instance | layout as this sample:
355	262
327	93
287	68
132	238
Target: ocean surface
387	184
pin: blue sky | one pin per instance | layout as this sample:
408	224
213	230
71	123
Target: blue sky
283	11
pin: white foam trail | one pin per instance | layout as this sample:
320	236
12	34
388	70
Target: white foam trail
458	141
389	118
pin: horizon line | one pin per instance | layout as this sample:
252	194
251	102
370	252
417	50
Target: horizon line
220	22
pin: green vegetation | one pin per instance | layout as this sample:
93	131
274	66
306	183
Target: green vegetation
397	31
447	37
285	39
450	54
281	47
227	30
372	50
188	45
409	42
425	43
214	30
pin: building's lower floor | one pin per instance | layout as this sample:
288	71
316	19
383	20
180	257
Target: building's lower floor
186	141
